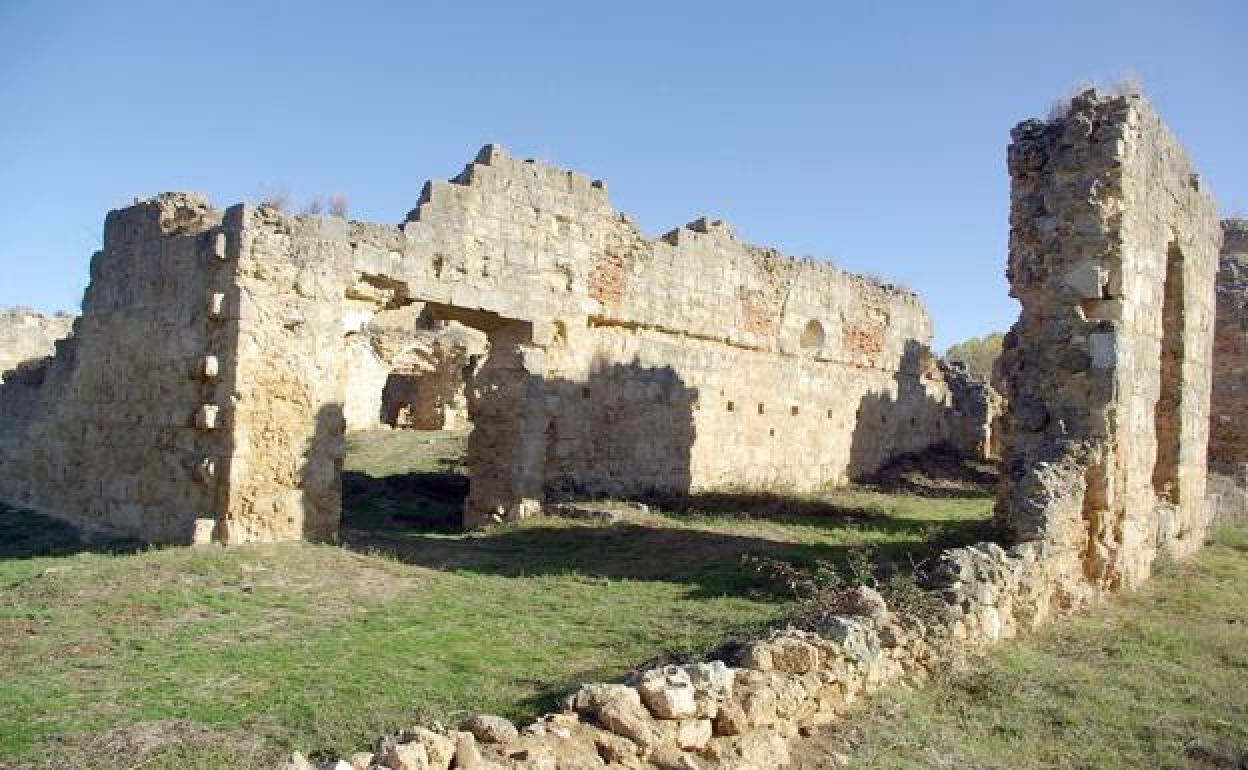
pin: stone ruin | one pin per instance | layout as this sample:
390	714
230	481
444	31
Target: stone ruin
405	371
1113	254
1228	439
208	384
222	354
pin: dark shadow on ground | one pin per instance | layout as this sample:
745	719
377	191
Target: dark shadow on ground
825	512
940	472
26	535
405	502
710	562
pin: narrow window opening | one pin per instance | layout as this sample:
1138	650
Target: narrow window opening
1167	416
812	337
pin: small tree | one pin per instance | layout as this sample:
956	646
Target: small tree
339	205
978	354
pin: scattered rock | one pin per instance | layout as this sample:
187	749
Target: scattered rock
668	693
406	756
491	729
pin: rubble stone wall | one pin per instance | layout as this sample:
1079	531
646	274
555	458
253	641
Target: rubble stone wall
111	432
1113	250
1228	439
405	371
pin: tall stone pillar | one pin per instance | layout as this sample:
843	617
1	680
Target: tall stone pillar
507	447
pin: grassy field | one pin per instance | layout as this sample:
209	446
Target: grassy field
115	656
1156	680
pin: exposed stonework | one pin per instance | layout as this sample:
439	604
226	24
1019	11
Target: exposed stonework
226	351
120	431
1113	251
976	408
1228	438
27	337
408	372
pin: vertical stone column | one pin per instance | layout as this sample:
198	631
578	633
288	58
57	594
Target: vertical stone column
287	386
507	447
1111	247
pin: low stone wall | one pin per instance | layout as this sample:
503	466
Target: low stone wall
741	714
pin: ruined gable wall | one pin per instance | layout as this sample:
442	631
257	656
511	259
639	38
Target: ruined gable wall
106	436
1228	440
662	351
1112	251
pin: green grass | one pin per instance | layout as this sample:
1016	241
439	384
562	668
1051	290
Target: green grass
210	657
1158	679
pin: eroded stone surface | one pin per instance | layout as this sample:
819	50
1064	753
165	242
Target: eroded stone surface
1113	251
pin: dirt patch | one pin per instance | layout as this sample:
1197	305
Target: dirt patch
938	472
140	744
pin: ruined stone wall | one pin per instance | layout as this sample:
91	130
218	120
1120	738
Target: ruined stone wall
694	361
1113	249
616	364
284	416
27	336
406	371
110	433
975	411
1228	439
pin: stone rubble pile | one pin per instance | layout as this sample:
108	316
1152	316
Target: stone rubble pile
741	717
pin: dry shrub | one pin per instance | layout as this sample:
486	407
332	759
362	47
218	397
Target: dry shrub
279	199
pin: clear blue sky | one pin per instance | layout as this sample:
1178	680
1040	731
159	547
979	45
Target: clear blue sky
872	134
